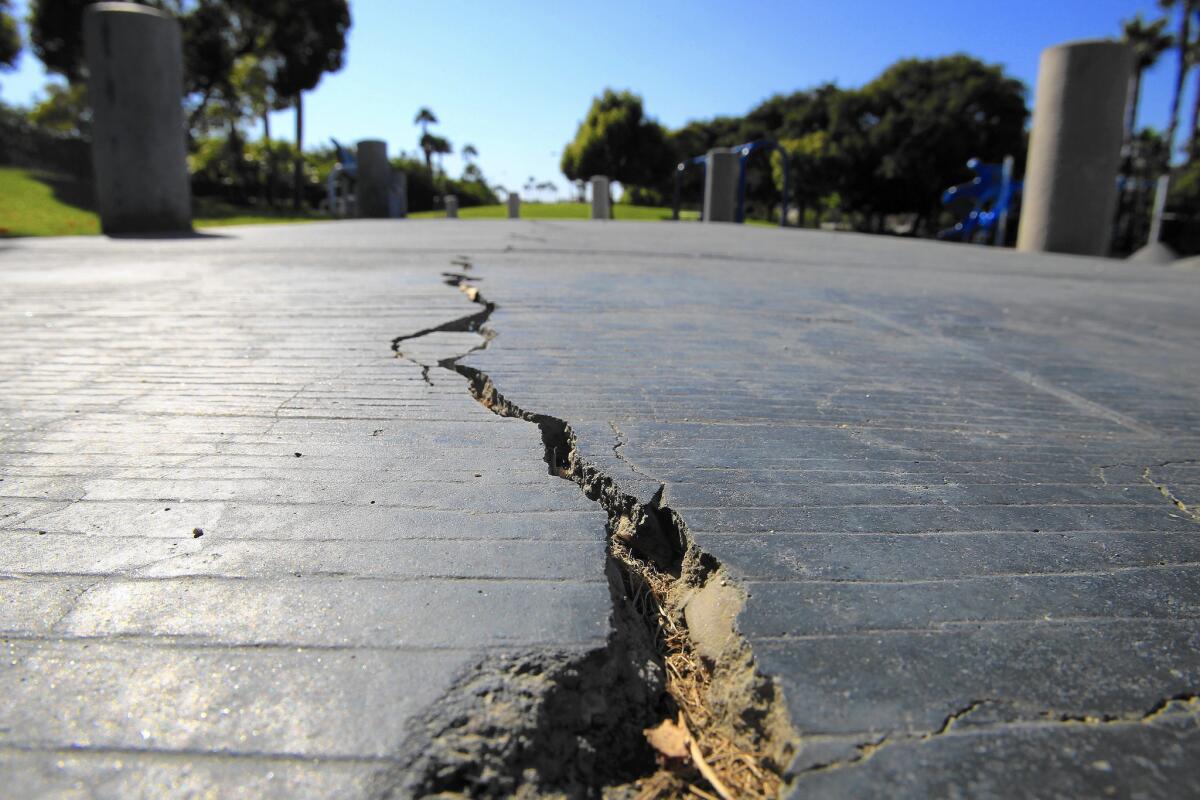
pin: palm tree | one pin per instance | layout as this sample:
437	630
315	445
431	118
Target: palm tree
1149	41
1194	137
425	118
1183	44
439	147
469	153
427	147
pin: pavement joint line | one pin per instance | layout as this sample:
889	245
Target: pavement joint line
190	753
170	642
342	576
657	565
1030	379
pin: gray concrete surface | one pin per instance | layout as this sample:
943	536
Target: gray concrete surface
956	483
1070	195
135	91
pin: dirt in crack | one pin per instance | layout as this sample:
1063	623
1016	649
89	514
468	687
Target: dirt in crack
573	724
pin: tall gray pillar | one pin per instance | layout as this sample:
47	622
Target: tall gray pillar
601	208
135	88
451	203
514	205
374	180
1070	193
720	186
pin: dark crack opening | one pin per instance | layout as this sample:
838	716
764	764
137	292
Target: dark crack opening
533	724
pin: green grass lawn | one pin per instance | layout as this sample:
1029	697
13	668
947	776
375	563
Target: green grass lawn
36	203
29	206
558	211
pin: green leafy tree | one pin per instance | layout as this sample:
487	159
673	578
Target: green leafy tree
308	40
252	84
64	109
10	37
213	40
618	140
56	33
922	119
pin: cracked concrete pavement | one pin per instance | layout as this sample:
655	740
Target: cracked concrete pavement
957	485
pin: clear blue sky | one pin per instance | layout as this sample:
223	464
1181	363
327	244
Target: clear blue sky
515	78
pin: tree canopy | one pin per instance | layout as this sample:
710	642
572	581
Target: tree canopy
924	118
892	146
618	140
10	38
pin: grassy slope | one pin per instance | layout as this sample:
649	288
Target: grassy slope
37	204
557	211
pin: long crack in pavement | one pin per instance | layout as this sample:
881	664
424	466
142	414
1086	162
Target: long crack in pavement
536	723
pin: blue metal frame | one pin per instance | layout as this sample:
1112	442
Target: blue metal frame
744	152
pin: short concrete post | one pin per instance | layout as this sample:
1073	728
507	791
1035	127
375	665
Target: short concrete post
451	203
1075	148
720	186
514	205
135	88
374	180
601	208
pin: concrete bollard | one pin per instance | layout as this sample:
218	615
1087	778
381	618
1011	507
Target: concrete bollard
135	88
1070	191
374	180
514	205
601	208
451	203
720	186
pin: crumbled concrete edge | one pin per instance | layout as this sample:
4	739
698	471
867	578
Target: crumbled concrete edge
533	723
490	728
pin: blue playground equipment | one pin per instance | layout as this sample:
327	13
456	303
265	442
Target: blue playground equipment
992	192
744	152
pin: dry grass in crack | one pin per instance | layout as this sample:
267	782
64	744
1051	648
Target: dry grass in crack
739	734
736	765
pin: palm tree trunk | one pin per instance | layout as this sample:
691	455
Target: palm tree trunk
1185	35
1194	137
298	163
